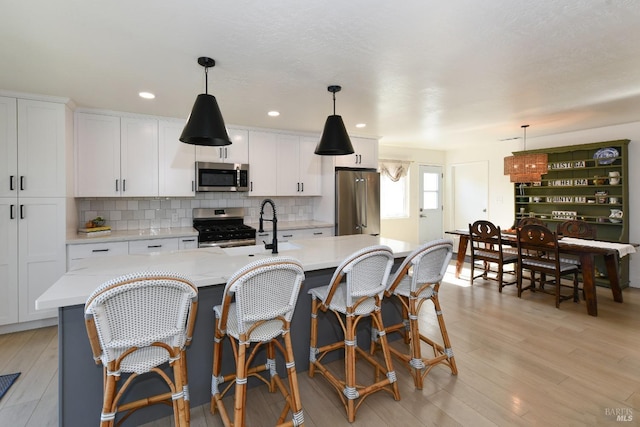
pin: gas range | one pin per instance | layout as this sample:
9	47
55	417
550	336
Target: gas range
222	227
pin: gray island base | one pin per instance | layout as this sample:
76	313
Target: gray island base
80	379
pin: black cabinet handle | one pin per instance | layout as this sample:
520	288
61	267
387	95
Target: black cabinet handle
251	186
116	185
287	235
12	214
193	185
11	177
302	184
100	250
153	246
298	187
22	183
21	211
188	240
124	185
317	233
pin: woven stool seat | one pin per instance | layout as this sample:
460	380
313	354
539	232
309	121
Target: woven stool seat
257	306
136	324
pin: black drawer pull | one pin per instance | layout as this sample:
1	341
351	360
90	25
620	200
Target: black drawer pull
287	235
154	246
317	233
100	250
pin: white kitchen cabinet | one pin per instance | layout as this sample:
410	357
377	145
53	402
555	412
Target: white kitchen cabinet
138	157
176	161
304	233
32	143
262	163
75	253
188	242
116	156
365	154
153	245
33	137
288	160
41	252
237	152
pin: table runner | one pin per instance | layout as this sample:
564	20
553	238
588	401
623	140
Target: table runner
622	248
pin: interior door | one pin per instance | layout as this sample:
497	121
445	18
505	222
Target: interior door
470	188
430	219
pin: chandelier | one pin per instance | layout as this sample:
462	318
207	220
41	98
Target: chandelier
526	167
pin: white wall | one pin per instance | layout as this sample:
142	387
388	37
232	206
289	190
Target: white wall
501	203
407	228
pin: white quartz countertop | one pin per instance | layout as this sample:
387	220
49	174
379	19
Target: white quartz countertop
205	266
73	238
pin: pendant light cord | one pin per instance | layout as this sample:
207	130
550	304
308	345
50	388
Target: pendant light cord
525	136
334	103
206	80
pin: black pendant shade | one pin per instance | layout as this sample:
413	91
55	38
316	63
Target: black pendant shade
205	125
335	140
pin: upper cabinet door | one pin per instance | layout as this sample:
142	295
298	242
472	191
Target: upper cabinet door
310	168
262	163
97	146
288	166
139	157
8	147
237	152
365	155
176	161
41	149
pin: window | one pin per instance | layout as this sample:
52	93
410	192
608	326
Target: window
394	189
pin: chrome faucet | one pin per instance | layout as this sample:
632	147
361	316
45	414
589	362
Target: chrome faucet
274	243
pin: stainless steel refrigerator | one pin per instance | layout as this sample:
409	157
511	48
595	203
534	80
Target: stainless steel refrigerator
357	202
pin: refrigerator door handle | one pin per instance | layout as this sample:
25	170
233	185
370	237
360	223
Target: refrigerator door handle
366	203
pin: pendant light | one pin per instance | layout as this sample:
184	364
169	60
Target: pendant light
205	125
335	140
527	167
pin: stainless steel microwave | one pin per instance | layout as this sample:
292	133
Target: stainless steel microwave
222	176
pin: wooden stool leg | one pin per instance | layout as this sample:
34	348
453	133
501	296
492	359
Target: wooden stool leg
416	364
315	303
216	369
108	404
445	335
241	384
384	345
350	367
296	402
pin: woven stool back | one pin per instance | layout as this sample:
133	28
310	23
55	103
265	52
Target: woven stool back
429	263
139	309
265	289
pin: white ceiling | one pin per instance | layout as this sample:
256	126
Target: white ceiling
423	73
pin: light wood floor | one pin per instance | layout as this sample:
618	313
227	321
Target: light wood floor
520	361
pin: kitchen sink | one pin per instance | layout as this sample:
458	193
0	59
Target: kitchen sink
259	249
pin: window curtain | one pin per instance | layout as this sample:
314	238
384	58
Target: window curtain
394	169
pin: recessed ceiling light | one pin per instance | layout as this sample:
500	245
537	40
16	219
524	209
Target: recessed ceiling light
146	95
273	113
361	125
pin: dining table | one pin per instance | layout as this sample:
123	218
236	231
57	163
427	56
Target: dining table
586	250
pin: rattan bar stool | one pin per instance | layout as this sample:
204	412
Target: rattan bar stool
136	324
266	292
417	280
357	297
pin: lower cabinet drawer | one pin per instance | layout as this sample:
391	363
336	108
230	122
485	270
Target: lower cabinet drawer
91	250
153	245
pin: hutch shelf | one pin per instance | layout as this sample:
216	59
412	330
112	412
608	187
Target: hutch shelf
587	182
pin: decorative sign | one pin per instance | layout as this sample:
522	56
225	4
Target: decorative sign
561	183
564	214
560	199
580	199
567	165
581	181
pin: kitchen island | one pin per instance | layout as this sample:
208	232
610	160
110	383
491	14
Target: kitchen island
80	379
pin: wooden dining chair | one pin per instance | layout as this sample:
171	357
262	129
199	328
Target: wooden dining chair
487	252
538	252
529	220
577	228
